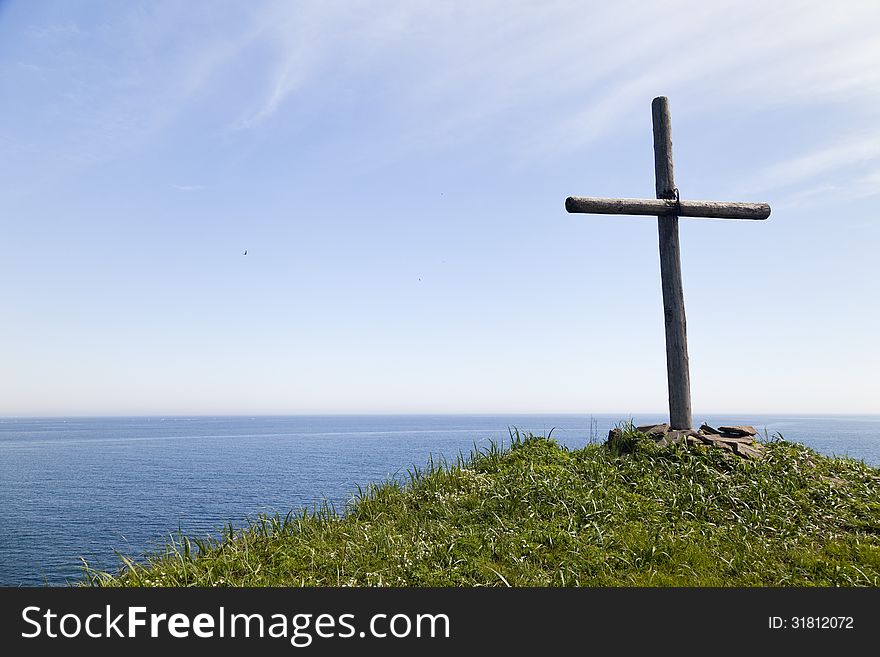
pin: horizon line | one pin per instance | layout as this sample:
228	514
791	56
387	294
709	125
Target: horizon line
427	414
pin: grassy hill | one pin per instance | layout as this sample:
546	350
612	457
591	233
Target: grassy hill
537	514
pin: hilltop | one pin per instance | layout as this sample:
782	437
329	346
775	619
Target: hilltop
538	514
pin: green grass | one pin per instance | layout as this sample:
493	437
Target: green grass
537	514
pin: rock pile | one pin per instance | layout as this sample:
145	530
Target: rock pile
738	440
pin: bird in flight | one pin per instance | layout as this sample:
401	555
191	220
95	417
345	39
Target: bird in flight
245	252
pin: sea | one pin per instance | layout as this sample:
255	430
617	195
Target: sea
90	489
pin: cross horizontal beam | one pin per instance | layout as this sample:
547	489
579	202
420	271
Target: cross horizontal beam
663	206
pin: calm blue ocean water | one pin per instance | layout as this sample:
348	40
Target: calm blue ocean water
86	487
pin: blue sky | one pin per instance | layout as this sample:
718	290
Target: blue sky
397	172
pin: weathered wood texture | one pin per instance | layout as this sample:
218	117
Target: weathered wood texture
668	208
677	369
663	206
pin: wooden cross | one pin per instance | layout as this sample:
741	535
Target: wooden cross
668	208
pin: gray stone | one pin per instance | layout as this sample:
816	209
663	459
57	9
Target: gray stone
748	451
654	429
739	431
747	440
738	440
677	436
718	443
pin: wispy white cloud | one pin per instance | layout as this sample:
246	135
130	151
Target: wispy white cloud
27	66
464	71
53	30
750	55
849	151
868	184
550	77
112	92
188	188
310	36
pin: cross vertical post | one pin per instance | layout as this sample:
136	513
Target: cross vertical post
677	368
